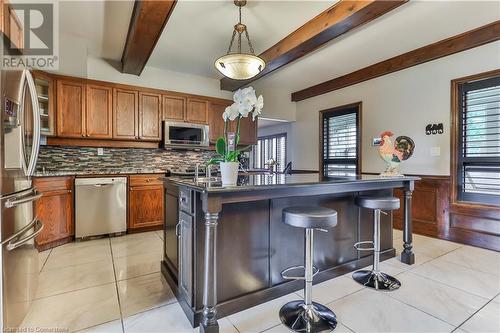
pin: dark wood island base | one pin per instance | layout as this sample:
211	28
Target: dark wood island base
225	247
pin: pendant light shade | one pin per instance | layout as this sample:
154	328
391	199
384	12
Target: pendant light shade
238	65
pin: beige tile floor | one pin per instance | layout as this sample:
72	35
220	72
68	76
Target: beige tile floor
114	285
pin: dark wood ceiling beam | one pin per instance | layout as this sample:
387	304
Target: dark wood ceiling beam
148	19
342	17
468	40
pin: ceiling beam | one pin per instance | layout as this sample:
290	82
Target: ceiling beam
342	17
148	19
467	40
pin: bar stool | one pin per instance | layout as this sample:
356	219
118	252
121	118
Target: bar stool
306	315
375	278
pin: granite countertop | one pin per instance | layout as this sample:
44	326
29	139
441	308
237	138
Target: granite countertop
90	172
274	181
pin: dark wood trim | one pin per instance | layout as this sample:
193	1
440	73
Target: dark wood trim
146	26
101	143
337	20
458	43
359	106
435	216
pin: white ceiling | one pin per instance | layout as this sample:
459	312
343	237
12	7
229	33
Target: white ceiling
412	25
198	32
104	24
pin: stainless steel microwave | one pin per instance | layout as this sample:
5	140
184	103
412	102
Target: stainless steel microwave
185	135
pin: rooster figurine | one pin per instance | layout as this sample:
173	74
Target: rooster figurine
394	153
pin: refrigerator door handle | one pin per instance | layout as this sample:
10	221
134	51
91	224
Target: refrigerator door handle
15	201
38	229
36	124
20	231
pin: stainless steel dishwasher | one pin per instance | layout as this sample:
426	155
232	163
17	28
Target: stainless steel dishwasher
101	206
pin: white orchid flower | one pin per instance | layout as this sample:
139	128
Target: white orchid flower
231	112
245	108
259	105
242	94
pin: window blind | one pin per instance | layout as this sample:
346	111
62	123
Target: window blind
268	147
479	142
340	142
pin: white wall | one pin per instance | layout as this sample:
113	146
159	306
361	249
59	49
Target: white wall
404	102
277	101
100	69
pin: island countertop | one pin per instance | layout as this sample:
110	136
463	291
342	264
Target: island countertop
254	182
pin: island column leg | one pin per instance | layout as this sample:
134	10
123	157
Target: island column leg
209	322
407	256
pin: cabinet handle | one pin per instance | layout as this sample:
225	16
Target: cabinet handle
177	230
148	180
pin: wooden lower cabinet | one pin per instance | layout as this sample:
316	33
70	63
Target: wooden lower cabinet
55	210
145	202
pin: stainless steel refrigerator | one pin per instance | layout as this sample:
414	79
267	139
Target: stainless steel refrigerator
19	145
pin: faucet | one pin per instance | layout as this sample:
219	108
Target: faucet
196	172
208	172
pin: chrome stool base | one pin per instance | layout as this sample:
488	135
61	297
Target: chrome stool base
379	281
319	319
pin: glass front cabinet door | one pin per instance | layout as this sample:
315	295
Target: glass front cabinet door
45	91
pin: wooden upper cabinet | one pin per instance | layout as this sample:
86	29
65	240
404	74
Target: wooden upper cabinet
150	116
197	111
174	107
215	121
125	114
248	131
99	112
11	25
70	109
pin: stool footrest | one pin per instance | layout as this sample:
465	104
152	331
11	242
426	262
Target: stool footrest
359	246
297	277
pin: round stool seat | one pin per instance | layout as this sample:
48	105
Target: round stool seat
311	217
384	203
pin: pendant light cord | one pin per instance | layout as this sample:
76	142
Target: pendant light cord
239	37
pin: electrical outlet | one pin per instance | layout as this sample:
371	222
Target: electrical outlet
100	151
435	151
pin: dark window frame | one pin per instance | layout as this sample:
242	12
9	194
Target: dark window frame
463	161
459	198
339	111
268	137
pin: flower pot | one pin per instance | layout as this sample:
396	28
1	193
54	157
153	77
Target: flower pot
229	173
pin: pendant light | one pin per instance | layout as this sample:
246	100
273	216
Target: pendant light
238	65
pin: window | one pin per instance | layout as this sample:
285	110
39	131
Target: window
273	146
340	129
478	141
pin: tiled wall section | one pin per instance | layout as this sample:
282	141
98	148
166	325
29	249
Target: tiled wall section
54	159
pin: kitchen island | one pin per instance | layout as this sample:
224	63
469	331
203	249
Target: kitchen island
224	247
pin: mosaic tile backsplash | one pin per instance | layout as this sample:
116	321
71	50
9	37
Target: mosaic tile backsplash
55	160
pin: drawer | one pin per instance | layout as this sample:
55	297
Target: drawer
144	180
45	184
185	200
